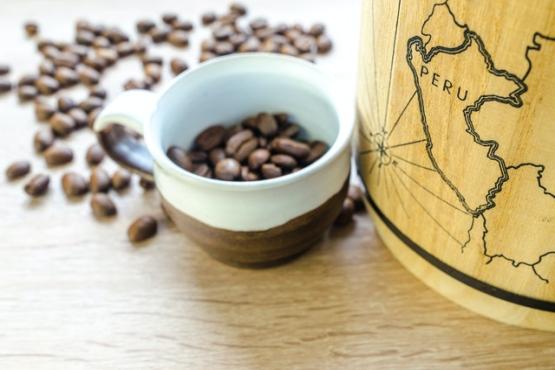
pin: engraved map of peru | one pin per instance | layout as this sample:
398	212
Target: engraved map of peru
489	117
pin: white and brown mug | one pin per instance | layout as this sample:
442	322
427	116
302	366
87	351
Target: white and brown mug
242	223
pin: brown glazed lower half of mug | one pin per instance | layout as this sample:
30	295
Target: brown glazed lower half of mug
256	249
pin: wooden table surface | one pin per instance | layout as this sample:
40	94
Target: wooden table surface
74	294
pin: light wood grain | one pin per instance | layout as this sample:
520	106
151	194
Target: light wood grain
74	294
455	150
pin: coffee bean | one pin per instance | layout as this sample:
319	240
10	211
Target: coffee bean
178	65
182	25
26	93
247	175
5	86
85	38
79	117
140	47
102	206
31	28
121	179
66	76
98	91
258	23
91	117
208	18
104	57
317	29
216	155
145	25
62	124
290	131
270	171
154	71
65	104
203	170
180	158
66	59
293	148
224	48
269	46
292	34
356	195
208	45
74	184
38	185
4	69
134	84
143	228
101	42
146	184
91	103
95	154
58	154
43	139
223	33
323	44
204	56
100	181
125	49
17	170
87	75
79	50
284	161
47	68
158	35
115	35
258	158
250	123
263	142
346	215
237	140
237	39
246	149
266	124
169	18
197	156
210	137
238	8
27	80
317	150
305	44
251	45
228	169
43	110
152	59
288	50
47	85
264	33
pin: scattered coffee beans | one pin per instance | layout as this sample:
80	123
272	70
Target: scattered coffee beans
17	170
74	184
356	195
31	28
143	228
38	185
178	65
4	69
146	184
43	139
264	146
103	206
346	214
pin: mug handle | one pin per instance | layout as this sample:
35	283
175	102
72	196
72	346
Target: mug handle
119	125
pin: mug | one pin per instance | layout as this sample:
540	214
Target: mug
252	224
456	147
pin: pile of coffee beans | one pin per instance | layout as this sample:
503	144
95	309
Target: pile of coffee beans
263	146
228	36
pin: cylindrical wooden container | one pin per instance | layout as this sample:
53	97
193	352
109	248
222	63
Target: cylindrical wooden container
456	147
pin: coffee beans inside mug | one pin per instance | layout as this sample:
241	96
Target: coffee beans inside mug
262	146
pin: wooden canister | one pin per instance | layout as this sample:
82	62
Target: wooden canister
456	148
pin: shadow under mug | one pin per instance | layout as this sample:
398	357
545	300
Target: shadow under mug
255	223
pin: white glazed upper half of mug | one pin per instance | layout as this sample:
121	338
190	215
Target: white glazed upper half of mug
226	90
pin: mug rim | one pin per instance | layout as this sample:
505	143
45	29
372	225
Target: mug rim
338	103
